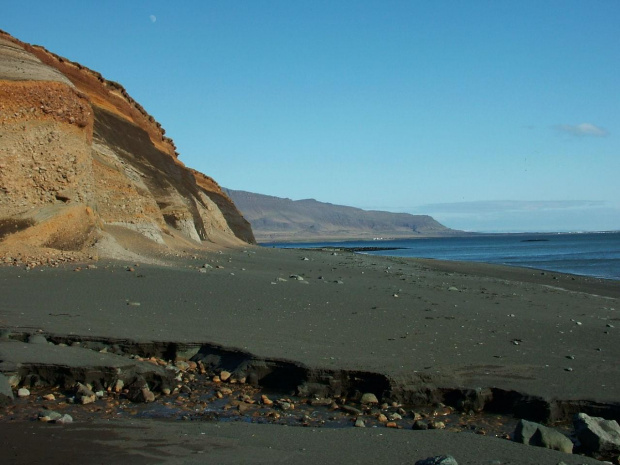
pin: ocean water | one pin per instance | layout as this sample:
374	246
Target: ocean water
587	254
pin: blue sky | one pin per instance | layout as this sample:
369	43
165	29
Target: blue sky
488	115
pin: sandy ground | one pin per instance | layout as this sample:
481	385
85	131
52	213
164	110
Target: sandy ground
155	442
418	322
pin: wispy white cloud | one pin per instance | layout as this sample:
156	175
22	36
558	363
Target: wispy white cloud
153	18
504	206
521	216
582	130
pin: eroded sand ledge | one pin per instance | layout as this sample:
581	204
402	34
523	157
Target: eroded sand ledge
420	329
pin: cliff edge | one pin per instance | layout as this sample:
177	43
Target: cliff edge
84	169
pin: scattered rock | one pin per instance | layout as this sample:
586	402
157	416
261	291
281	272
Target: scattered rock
181	365
452	288
65	419
244	407
359	423
597	435
534	434
436	425
438	460
84	395
6	393
147	395
23	392
37	339
225	375
48	416
351	410
419	425
14	381
119	385
369	398
284	405
49	397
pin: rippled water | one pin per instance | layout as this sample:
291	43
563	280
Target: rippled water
587	254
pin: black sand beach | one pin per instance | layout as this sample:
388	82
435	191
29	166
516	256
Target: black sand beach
538	345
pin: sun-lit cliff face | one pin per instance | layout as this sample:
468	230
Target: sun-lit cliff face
83	166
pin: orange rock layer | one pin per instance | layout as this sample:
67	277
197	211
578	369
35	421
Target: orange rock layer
81	162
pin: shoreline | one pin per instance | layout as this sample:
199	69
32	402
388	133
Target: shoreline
412	330
508	255
454	233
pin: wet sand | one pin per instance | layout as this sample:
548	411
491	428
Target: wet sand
423	325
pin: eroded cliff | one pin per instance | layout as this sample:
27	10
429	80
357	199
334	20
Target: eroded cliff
84	168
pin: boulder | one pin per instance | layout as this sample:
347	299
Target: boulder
48	416
438	460
597	435
63	420
84	394
6	393
369	398
419	425
534	434
37	339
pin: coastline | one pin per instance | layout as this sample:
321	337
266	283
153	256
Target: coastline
593	254
423	328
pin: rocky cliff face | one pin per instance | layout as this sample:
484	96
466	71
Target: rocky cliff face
83	165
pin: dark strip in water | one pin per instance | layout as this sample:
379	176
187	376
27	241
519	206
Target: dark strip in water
355	249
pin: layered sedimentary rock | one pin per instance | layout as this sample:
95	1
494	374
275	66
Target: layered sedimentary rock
82	163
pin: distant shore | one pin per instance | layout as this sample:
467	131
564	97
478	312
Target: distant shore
586	254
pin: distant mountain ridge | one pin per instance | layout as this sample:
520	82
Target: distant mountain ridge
281	219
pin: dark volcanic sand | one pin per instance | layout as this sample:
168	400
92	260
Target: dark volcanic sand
419	322
148	441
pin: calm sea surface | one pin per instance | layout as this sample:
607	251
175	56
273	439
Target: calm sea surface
588	254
